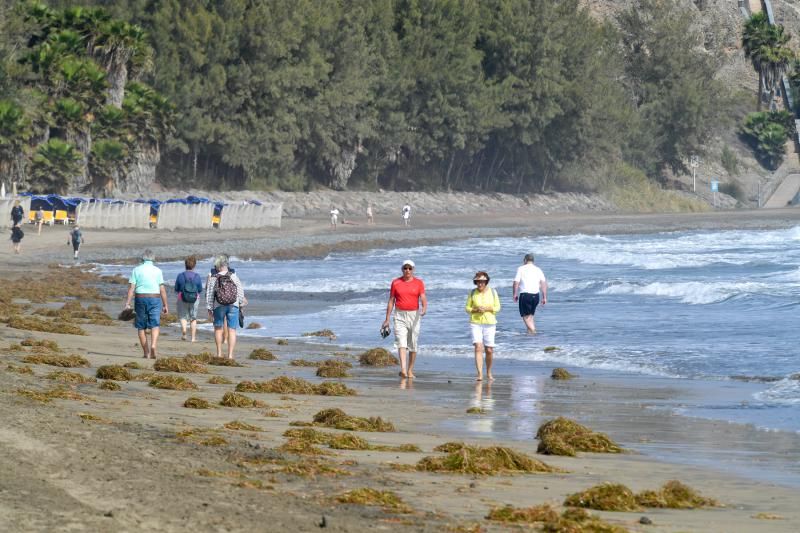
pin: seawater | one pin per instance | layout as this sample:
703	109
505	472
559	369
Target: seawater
715	307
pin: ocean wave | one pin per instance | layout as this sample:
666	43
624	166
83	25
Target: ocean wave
783	392
691	292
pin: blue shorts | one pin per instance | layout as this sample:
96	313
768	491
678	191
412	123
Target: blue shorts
148	313
229	313
528	303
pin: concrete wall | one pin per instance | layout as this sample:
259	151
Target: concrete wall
5	209
241	216
113	216
194	216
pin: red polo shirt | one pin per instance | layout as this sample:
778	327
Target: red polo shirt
407	293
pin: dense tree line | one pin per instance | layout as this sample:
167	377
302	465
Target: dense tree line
511	95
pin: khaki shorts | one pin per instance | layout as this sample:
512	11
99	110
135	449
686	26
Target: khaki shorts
406	329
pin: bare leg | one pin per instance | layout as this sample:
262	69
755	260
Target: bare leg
183	329
528	319
401	352
231	342
412	356
479	360
224	334
218	332
489	360
143	341
154	342
194	329
40	227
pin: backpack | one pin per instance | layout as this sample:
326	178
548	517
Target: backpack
225	292
190	289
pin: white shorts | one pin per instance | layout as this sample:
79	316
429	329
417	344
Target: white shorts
406	329
483	334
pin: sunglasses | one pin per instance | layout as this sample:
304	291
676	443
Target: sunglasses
408	268
477	281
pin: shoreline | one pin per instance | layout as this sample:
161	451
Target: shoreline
117	471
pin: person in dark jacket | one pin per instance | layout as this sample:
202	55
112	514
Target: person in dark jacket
189	288
76	238
17	213
16	238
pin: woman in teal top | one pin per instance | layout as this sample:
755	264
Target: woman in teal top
483	304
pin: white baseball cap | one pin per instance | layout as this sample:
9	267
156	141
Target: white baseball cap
409	262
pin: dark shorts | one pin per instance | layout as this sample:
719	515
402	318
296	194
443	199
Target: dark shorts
148	313
528	303
76	246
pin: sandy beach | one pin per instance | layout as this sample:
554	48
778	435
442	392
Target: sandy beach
136	459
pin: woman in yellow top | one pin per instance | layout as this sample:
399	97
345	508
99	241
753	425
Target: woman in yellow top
483	306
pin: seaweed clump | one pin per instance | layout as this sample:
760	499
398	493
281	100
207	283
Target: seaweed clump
238	425
262	354
386	499
52	394
110	385
180	365
465	459
304	362
254	325
283	342
115	372
561	373
476	411
537	513
19	369
334	368
287	385
33	323
219	380
330	335
570	520
41	345
133	365
65	376
562	436
674	495
234	399
196	403
172	383
338	419
605	497
64	361
378	357
344	441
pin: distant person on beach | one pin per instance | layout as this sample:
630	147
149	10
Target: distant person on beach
208	280
39	219
16	239
76	239
406	214
17	214
334	217
188	287
146	283
406	295
483	304
370	217
224	297
530	287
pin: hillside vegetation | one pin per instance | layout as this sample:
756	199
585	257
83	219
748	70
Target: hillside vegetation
496	95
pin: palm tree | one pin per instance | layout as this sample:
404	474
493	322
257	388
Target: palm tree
106	163
55	164
766	47
15	130
116	45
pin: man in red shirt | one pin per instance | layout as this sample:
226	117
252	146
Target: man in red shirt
405	297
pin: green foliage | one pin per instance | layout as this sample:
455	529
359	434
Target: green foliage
55	163
767	133
729	161
767	48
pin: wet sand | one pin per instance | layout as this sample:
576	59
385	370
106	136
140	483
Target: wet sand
129	471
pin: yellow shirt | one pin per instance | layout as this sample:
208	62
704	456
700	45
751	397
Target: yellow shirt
487	298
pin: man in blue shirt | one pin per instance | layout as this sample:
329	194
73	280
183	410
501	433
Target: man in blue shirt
188	287
147	284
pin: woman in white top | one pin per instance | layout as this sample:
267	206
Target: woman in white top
334	217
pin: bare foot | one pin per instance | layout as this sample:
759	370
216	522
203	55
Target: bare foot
479	378
183	337
411	375
403	375
491	378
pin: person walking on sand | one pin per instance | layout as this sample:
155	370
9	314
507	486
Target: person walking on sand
16	239
146	283
407	298
188	287
224	297
334	217
483	304
529	284
76	239
17	214
370	217
39	219
406	215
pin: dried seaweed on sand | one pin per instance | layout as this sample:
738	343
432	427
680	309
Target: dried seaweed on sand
562	436
378	357
115	372
465	459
